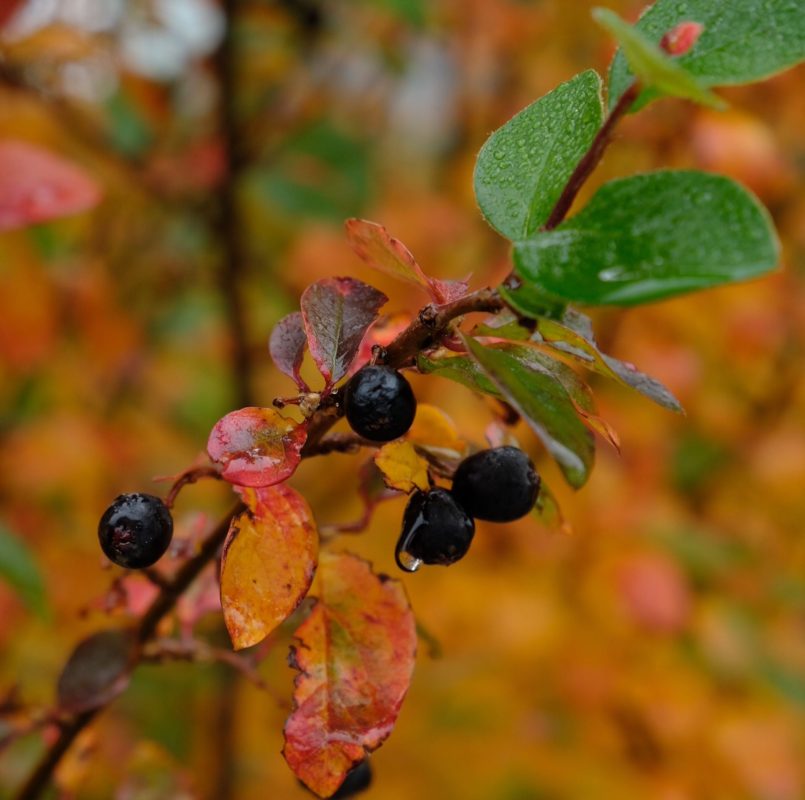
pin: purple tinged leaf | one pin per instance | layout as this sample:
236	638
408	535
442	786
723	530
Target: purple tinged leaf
287	347
337	312
98	670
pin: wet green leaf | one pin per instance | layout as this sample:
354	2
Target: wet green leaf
652	236
460	369
547	397
742	41
655	69
524	165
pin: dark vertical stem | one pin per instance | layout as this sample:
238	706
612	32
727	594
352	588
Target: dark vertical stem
591	158
231	275
40	777
230	234
222	783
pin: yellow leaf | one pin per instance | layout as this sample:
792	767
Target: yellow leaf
434	429
402	467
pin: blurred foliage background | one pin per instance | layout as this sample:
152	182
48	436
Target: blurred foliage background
655	652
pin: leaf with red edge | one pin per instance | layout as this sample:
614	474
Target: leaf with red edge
355	657
287	347
38	186
97	671
379	249
268	562
337	312
256	446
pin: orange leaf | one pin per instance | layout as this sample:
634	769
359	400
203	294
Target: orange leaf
268	562
598	425
379	249
39	186
256	446
402	467
355	659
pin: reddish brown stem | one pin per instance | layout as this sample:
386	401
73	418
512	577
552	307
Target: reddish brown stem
190	476
591	158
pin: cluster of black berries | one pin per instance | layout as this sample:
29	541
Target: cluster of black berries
499	485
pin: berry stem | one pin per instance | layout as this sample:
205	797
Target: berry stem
592	157
190	476
340	443
428	327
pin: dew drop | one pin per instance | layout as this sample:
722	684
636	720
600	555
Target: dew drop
612	274
405	561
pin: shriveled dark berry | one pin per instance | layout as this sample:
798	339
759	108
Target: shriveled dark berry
436	530
379	403
135	531
358	780
499	485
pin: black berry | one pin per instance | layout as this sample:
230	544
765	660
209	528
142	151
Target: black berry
436	530
358	780
499	485
379	403
135	531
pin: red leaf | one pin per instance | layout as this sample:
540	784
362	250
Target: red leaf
379	249
287	347
337	313
257	446
37	186
7	10
355	658
268	562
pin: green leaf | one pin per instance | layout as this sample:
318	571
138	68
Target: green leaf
531	301
583	349
541	396
460	369
19	570
652	236
743	40
651	65
524	165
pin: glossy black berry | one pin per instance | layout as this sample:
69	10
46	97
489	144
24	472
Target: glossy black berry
379	403
135	531
436	530
499	485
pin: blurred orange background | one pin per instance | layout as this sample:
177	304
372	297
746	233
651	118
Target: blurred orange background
656	652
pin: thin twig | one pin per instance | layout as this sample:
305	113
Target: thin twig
195	650
228	225
340	443
191	476
591	158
